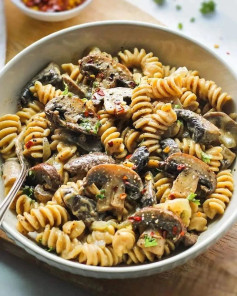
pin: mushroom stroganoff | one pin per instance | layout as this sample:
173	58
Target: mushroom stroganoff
129	158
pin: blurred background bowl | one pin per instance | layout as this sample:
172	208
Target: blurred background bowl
50	16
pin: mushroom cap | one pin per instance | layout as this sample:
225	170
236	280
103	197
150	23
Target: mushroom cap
140	158
203	130
227	126
159	219
47	175
178	162
81	165
116	180
73	114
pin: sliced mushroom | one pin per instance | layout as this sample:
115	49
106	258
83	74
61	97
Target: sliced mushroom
191	171
227	126
41	194
203	130
169	146
139	158
82	207
80	166
87	142
149	196
73	114
115	100
190	239
117	183
155	237
49	75
162	220
73	86
46	175
102	68
228	157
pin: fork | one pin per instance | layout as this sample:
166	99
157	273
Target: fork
18	183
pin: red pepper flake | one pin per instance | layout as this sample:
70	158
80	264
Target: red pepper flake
172	196
135	218
29	144
182	233
111	143
144	190
86	113
128	156
98	116
125	178
152	233
175	230
181	167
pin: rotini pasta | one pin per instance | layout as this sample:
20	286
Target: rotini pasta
32	108
45	93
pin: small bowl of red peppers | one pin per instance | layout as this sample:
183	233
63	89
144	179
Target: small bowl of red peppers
51	10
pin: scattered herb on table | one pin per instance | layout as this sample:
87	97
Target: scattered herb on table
180	26
159	2
192	20
178	7
208	7
192	198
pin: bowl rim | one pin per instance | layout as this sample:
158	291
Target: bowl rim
23	7
164	264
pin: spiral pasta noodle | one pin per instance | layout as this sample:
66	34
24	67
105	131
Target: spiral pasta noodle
35	137
55	239
110	136
10	127
149	63
162	186
74	229
45	93
123	241
30	110
168	70
189	100
154	125
169	247
66	190
207	90
130	138
65	151
73	72
138	255
198	222
51	214
216	202
25	204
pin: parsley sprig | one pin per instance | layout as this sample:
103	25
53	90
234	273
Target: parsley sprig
206	157
192	198
150	241
101	195
208	7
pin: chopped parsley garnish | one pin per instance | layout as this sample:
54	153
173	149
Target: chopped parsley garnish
97	126
28	190
101	194
192	198
51	249
84	100
85	123
177	107
206	157
150	241
179	122
159	2
66	91
192	20
208	7
180	26
178	7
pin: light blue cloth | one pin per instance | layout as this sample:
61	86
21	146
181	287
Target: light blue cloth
19	278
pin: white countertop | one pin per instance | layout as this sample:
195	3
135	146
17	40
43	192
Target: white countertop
20	278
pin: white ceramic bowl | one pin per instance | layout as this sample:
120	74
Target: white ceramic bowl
50	16
68	45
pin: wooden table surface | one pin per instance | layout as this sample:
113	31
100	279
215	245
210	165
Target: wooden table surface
213	273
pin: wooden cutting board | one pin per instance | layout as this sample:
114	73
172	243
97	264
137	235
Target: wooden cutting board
214	273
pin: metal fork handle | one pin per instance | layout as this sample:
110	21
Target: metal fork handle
12	193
